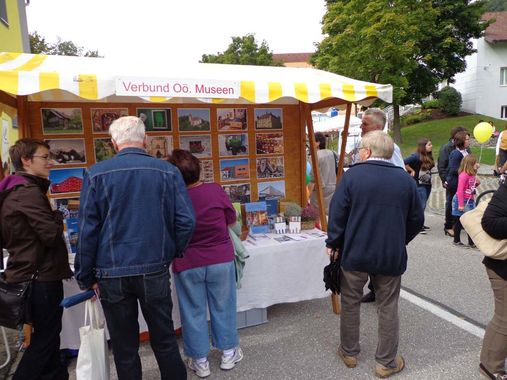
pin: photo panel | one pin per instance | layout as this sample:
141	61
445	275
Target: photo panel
61	121
268	118
231	170
207	173
104	149
271	190
69	207
233	145
67	151
193	120
198	145
231	119
159	146
270	167
66	180
102	118
155	119
269	143
238	192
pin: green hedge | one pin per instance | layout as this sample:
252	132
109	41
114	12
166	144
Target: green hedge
416	117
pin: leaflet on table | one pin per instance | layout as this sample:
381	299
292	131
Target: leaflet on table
257	217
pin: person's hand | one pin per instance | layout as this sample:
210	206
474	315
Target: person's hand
330	251
461	209
477	182
95	288
445	184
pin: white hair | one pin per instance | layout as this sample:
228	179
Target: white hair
380	144
378	116
127	129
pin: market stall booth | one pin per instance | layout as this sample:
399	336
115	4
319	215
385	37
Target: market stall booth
247	125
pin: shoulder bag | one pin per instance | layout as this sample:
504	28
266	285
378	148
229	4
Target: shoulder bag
471	221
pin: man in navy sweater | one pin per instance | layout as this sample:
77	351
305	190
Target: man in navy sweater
374	213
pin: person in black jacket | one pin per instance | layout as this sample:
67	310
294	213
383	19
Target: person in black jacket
443	164
494	346
32	233
374	213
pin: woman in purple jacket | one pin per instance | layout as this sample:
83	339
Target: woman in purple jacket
206	273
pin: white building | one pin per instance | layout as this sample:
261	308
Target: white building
483	85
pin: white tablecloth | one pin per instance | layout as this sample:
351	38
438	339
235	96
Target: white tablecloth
274	273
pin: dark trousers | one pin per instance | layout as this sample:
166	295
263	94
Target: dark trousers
119	298
458	227
449	218
41	360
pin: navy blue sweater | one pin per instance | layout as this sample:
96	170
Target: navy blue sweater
374	213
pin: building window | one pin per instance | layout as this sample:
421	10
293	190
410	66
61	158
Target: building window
3	12
503	76
503	112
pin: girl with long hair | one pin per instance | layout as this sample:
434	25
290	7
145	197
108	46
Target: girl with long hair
419	165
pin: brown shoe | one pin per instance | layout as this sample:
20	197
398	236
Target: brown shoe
350	361
383	372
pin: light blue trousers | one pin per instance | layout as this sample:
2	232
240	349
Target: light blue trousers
213	287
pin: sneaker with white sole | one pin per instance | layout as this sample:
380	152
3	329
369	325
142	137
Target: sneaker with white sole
230	362
200	369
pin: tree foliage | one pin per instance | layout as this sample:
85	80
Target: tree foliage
496	5
449	100
244	51
411	44
39	45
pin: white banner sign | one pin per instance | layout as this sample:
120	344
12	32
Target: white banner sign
138	86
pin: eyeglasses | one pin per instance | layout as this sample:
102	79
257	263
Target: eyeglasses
45	157
362	147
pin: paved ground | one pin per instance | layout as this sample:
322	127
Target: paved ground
300	340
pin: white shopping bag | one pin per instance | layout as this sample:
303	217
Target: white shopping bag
93	357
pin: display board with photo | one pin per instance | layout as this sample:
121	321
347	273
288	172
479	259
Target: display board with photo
271	190
268	118
231	119
269	143
102	118
193	120
198	145
67	151
231	170
233	145
155	119
270	167
66	180
69	207
207	173
61	121
104	149
239	192
159	146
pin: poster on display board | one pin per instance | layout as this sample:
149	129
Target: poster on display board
193	120
270	167
207	173
231	119
269	143
102	118
268	118
159	146
198	145
155	119
271	190
238	192
104	149
66	180
231	170
233	145
61	121
67	151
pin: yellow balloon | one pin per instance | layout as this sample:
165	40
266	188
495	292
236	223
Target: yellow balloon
483	132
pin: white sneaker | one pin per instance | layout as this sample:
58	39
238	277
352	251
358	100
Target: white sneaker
230	362
200	369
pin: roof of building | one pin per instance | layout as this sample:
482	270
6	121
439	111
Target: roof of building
496	32
292	57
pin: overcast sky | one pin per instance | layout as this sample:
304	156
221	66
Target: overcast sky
172	29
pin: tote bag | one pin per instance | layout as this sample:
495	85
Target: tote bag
93	357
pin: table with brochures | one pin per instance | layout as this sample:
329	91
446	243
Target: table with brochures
280	269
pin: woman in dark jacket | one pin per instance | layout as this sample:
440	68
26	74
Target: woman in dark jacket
494	347
461	142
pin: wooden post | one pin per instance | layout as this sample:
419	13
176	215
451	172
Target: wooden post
345	134
23	127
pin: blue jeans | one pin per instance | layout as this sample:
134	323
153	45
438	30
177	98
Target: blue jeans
119	298
214	285
424	194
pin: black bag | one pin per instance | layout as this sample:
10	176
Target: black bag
332	273
14	303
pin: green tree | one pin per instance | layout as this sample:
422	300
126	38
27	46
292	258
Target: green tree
244	51
39	45
411	44
496	5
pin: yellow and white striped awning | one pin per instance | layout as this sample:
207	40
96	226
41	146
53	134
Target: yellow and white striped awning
59	78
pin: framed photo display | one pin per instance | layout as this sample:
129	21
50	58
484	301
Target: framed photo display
193	120
268	118
61	121
66	180
104	149
270	167
231	119
238	192
271	190
198	145
269	143
231	170
67	151
102	118
207	173
155	119
233	145
159	146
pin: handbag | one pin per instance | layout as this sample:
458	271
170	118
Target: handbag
93	357
15	300
332	273
471	221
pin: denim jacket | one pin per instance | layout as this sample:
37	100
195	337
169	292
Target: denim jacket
135	216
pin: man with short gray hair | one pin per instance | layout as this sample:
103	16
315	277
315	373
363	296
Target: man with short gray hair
374	213
135	217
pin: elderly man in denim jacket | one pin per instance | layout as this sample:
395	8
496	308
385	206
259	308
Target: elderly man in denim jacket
135	217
